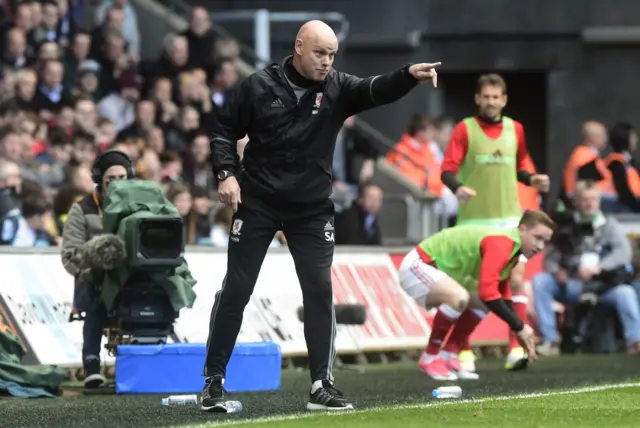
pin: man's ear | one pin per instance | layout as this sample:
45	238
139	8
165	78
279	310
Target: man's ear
298	46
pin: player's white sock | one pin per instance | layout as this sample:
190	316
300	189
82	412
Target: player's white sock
316	385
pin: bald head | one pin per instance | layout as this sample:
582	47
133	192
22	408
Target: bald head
315	50
594	134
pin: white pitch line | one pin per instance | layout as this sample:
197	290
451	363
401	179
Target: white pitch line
297	416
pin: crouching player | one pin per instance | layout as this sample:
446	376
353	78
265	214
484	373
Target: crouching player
464	272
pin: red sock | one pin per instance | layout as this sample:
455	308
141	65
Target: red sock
442	322
461	331
520	302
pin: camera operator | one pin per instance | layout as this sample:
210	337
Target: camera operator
589	262
83	223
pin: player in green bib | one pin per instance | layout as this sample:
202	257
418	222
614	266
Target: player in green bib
464	271
484	161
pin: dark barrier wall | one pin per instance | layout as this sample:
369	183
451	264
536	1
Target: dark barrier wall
583	81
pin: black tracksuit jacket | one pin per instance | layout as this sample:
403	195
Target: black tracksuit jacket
291	140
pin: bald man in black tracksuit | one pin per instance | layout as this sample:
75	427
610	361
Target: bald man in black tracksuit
292	113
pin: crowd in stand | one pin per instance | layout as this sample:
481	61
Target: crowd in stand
73	85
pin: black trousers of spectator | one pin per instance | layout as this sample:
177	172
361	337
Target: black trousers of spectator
309	232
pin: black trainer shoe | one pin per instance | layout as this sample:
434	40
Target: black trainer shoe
327	398
212	399
92	377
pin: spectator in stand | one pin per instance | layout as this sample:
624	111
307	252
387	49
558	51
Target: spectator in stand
106	133
188	120
15	54
65	118
55	159
79	177
87	81
26	85
113	60
148	166
113	23
66	197
24	18
144	120
197	168
195	93
129	26
444	130
154	137
85	119
162	95
50	93
36	210
586	163
120	107
353	163
180	195
626	180
83	149
172	63
47	51
7	84
359	224
11	149
171	165
414	158
10	190
49	28
224	79
74	56
69	21
200	37
447	206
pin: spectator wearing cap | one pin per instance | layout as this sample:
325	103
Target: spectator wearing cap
119	107
83	223
74	56
88	80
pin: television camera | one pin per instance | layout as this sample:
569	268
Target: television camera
138	266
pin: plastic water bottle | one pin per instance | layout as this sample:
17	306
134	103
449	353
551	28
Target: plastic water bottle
180	400
233	406
447	392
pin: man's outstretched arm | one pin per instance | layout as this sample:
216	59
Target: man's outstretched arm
360	94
